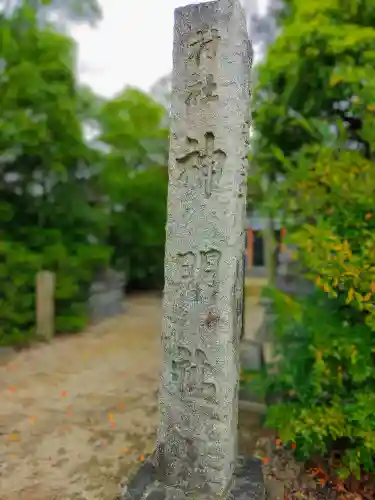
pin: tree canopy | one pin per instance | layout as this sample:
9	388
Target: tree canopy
82	179
314	121
58	12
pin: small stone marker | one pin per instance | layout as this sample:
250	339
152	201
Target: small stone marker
196	452
106	297
45	305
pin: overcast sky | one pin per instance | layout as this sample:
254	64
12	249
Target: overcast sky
131	46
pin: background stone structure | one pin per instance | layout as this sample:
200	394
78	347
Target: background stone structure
290	280
107	296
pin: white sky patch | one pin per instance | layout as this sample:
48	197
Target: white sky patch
132	45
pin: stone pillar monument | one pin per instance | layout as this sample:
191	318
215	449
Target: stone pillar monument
196	452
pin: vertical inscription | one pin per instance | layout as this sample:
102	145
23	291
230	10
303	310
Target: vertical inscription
242	188
215	449
243	173
238	296
201	91
186	264
202	50
203	44
183	456
207	286
192	375
241	184
200	272
189	466
207	162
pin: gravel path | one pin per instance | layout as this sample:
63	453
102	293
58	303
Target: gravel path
77	415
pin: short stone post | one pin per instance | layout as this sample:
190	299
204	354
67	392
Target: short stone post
45	305
196	451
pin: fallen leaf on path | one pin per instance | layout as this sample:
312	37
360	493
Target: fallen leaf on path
14	436
12	388
63	394
101	443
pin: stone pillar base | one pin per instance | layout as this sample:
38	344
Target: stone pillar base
248	484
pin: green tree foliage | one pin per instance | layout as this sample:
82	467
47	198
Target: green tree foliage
44	193
135	179
82	179
58	12
137	223
131	125
314	120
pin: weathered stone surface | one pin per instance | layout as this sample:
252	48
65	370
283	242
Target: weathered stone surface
251	355
290	277
204	261
107	296
289	280
251	360
247	483
266	329
196	452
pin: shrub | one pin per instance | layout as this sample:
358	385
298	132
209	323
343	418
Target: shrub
325	381
18	268
315	143
137	231
326	372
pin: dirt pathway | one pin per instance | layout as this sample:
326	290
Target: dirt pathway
77	415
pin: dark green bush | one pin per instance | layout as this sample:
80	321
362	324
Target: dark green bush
138	231
59	195
323	391
314	144
18	269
